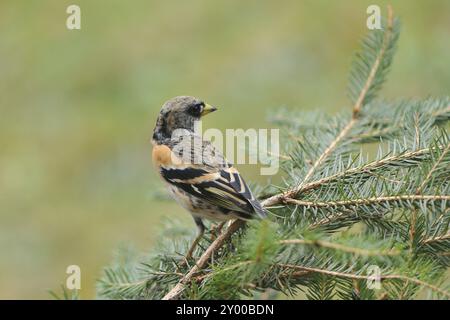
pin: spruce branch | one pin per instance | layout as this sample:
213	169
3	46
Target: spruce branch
370	168
368	201
373	79
338	246
364	277
433	169
342	208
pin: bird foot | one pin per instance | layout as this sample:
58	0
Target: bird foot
216	230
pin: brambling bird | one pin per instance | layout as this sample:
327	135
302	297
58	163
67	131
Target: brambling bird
197	175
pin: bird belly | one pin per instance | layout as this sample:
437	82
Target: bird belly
198	207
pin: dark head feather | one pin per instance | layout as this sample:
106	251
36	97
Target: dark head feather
177	113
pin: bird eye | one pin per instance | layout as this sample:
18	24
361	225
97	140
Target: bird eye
196	109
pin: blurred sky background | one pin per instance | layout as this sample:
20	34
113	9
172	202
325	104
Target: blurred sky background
77	108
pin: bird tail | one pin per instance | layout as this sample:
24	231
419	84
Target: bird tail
259	210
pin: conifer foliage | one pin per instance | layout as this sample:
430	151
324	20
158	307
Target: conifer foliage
363	212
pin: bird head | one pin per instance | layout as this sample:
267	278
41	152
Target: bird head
180	113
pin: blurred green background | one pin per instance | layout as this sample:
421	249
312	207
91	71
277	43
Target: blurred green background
77	108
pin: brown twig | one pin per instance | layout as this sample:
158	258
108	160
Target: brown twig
434	239
179	288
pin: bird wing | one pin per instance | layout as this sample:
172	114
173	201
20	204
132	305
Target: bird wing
199	169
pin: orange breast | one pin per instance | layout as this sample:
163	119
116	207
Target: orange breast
163	156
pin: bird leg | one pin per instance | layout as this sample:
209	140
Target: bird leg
216	230
201	231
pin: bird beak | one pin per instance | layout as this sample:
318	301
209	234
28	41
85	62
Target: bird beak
208	109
